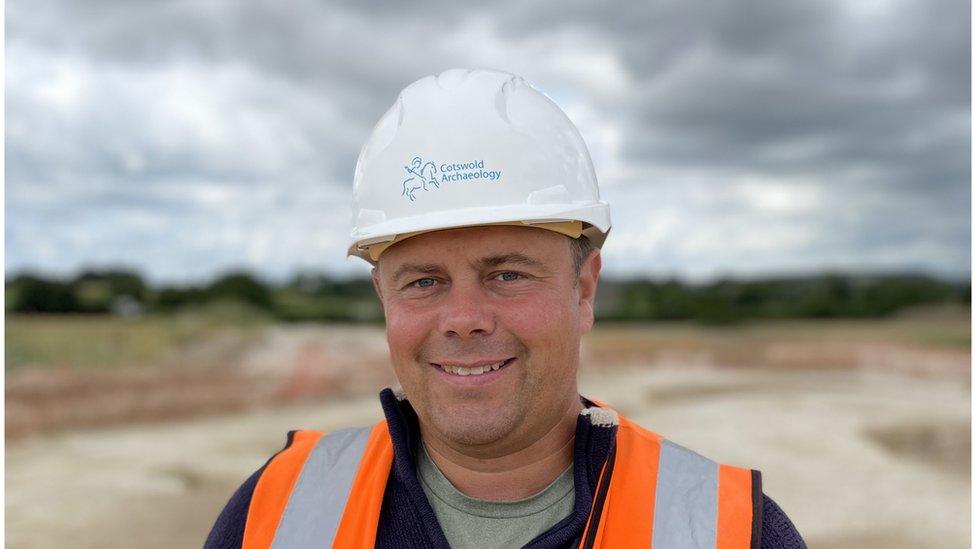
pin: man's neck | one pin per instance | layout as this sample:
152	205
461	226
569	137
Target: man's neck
513	476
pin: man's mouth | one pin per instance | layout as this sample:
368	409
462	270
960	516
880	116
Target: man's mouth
474	369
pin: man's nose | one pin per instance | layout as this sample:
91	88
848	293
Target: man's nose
466	312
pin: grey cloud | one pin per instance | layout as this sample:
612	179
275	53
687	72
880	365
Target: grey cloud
227	124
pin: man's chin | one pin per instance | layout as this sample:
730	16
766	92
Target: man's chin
473	426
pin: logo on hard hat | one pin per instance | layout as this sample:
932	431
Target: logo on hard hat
422	175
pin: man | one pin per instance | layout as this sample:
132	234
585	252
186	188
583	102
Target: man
487	281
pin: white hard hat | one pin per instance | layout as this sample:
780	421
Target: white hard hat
473	147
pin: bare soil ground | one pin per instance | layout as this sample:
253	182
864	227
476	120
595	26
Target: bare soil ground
230	372
862	433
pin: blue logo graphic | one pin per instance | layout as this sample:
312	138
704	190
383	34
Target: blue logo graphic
420	174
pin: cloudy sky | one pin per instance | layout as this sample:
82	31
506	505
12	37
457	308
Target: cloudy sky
741	138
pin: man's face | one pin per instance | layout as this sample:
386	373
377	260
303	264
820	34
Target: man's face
480	298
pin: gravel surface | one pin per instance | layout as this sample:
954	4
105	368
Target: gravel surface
856	458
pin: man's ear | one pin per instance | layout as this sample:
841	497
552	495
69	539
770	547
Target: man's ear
374	275
589	276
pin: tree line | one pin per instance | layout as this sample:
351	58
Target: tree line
319	297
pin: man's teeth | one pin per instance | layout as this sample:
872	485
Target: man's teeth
477	370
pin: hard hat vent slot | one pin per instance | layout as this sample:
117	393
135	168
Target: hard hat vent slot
451	78
501	103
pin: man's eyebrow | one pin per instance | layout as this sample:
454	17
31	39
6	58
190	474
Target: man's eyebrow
427	268
508	259
481	264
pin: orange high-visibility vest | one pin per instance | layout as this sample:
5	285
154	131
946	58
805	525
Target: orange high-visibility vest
327	490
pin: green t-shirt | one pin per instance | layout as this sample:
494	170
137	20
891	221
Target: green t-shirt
469	522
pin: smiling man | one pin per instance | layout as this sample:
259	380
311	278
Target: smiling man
484	326
487	275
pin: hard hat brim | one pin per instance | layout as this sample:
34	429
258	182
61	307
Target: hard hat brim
594	215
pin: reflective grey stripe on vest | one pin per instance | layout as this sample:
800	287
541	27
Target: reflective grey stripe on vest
685	500
319	497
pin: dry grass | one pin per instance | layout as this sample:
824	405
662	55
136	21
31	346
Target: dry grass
110	342
931	343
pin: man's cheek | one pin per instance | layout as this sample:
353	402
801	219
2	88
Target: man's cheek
398	323
405	334
540	316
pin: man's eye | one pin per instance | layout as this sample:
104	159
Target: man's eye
509	276
424	283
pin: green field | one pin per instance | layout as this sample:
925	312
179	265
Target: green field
108	342
103	341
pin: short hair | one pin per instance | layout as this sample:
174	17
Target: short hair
580	248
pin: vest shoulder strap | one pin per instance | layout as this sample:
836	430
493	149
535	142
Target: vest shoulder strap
301	498
663	495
